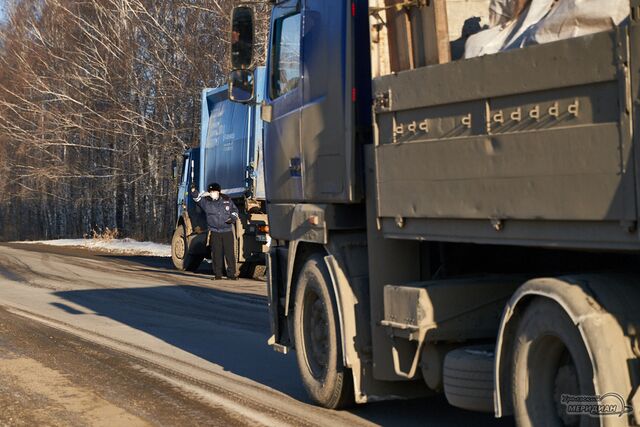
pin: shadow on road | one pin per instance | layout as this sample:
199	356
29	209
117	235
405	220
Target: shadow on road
226	328
231	330
153	264
157	262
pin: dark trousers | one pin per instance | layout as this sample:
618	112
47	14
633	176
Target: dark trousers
223	244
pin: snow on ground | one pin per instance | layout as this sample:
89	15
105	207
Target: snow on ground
113	246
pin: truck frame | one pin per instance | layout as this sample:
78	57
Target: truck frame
467	228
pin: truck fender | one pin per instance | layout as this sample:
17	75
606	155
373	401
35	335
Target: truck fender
341	289
184	219
291	259
345	301
589	301
346	304
292	254
336	275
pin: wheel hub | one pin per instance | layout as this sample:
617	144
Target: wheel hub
179	248
318	338
553	374
566	383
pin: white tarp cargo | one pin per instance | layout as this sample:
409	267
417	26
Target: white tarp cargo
518	23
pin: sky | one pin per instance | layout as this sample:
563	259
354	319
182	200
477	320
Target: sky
3	5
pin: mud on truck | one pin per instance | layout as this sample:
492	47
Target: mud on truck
453	202
230	153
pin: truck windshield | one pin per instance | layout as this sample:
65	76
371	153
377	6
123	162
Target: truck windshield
285	72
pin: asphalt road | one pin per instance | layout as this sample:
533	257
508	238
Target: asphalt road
90	339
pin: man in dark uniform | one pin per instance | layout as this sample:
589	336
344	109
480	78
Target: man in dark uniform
222	214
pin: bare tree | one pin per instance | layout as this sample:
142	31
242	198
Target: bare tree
96	99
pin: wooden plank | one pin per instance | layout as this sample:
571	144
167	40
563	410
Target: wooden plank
379	40
418	34
400	40
433	25
442	30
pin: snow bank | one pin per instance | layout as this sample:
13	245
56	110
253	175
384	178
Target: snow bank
114	246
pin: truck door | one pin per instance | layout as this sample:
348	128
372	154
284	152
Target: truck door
283	154
183	186
327	113
191	175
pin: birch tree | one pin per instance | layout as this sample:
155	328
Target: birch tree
96	99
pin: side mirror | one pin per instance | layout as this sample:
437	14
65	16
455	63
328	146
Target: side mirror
174	168
242	37
241	86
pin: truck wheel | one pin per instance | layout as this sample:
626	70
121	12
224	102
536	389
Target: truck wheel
317	338
468	378
549	359
182	259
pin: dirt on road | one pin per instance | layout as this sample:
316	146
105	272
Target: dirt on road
49	377
90	339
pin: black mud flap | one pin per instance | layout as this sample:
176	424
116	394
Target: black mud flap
275	286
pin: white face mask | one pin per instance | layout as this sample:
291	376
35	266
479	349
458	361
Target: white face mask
215	195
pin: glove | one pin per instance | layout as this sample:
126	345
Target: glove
200	196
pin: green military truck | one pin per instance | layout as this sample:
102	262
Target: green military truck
465	227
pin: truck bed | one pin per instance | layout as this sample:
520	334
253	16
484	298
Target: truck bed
530	146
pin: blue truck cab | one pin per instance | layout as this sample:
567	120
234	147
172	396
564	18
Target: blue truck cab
316	109
231	154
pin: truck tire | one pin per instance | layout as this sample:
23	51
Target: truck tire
549	359
317	338
182	259
468	378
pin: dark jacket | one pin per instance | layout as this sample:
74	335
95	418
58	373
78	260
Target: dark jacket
218	212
